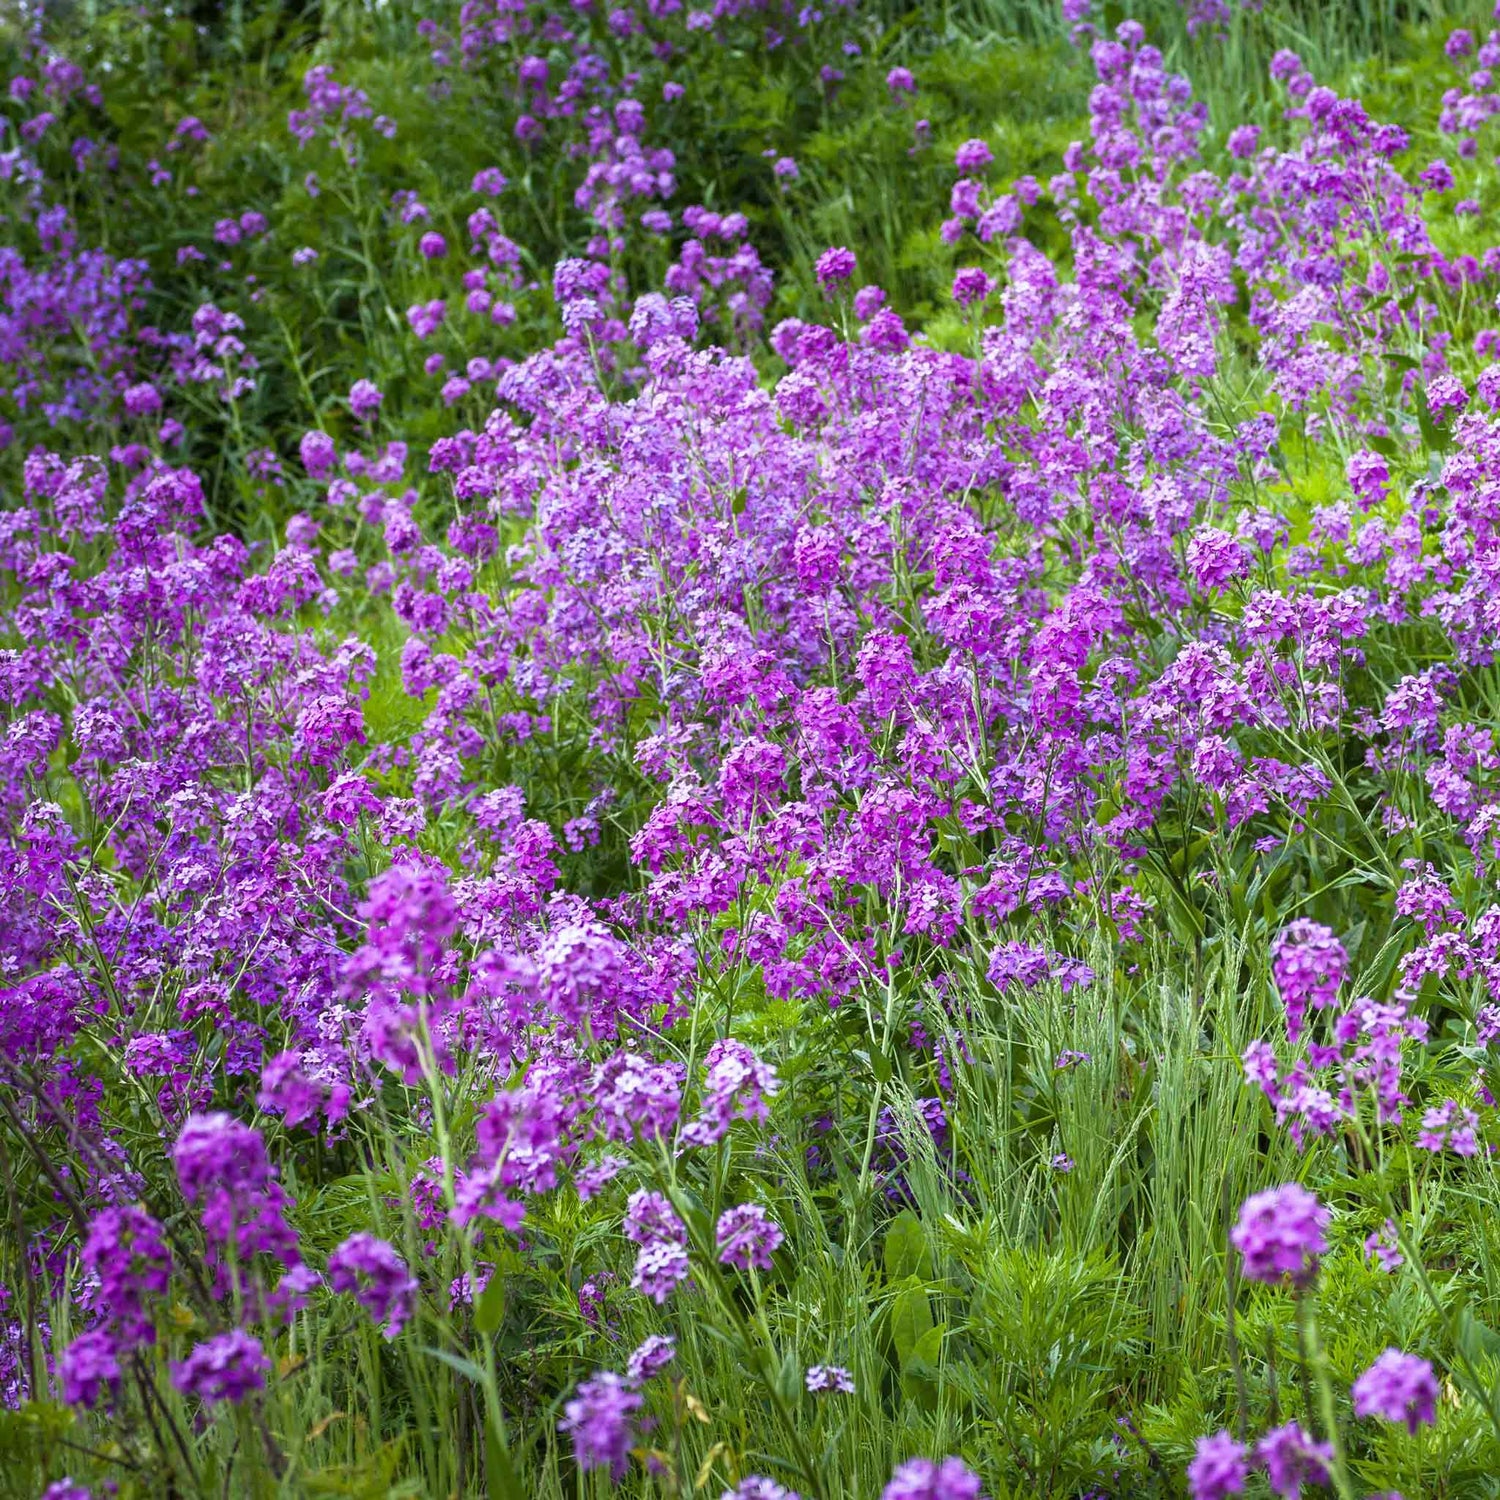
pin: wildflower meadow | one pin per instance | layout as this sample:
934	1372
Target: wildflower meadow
749	749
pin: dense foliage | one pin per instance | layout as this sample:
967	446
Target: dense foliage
750	750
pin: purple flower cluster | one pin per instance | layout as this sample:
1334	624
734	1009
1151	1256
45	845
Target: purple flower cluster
922	1479
1290	1457
377	1277
1398	1387
600	1421
1280	1233
888	674
228	1367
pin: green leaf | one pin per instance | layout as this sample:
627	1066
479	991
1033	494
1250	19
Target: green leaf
905	1247
489	1311
911	1321
1476	1338
465	1367
925	1354
1436	439
499	1474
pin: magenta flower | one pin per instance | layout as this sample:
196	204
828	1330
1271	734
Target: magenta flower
127	1250
318	454
971	285
1216	558
89	1368
650	1358
973	156
66	1489
660	1268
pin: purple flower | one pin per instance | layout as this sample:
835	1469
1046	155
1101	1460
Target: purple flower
737	1086
225	1368
660	1268
127	1250
650	1358
371	1269
1398	1387
222	1165
900	81
318	454
1293	1459
1218	1468
921	1479
971	285
1243	140
636	1098
1450	1127
1280	1232
822	1379
432	245
364	399
649	1217
754	1487
1368	476
89	1367
1437	177
600	1421
835	266
1216	558
490	181
748	1236
66	1489
218	1151
1385	1246
142	400
1309	964
973	156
